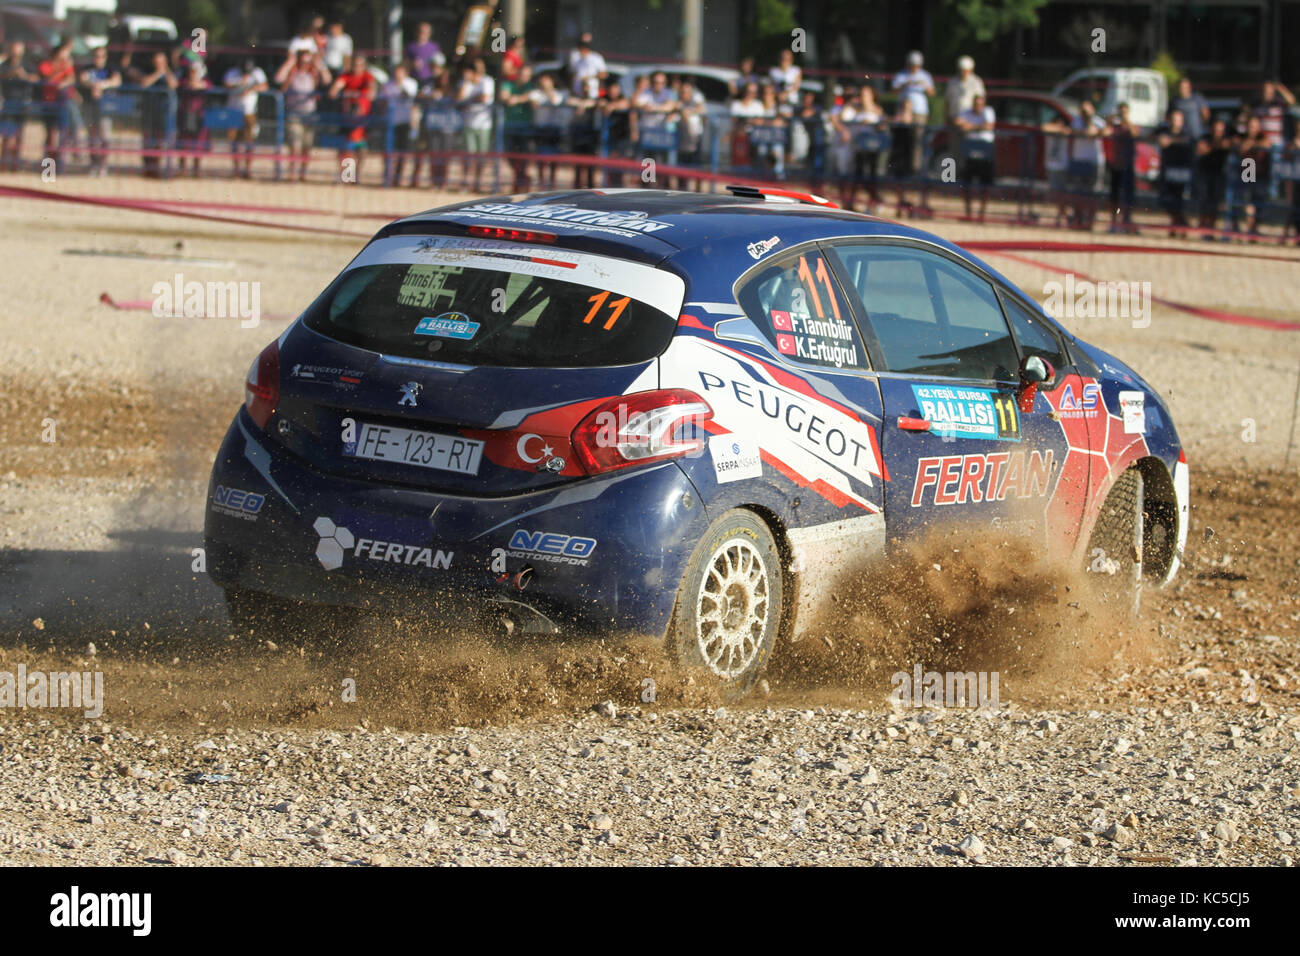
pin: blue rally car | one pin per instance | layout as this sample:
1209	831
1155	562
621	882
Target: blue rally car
677	414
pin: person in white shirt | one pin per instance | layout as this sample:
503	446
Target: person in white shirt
587	69
774	128
858	160
958	97
787	77
750	104
299	78
690	122
476	96
745	110
977	125
963	88
243	85
688	115
338	48
654	104
398	99
1087	158
304	41
549	120
1073	160
916	86
658	99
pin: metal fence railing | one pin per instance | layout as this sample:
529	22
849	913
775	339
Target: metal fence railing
424	139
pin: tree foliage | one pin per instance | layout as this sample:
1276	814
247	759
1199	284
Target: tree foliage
985	20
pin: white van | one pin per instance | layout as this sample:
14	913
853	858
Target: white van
148	29
1143	90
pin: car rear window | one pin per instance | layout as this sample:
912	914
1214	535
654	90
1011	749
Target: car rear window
484	302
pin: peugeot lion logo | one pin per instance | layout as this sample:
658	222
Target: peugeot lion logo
409	391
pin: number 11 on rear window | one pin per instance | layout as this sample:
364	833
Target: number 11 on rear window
615	308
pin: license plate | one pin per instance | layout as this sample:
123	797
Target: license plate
425	449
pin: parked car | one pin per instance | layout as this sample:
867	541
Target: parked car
559	70
38	32
714	83
1144	90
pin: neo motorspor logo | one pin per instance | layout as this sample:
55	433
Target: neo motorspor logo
237	503
555	548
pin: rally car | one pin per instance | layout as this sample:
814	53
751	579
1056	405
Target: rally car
666	413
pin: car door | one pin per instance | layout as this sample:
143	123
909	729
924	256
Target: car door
812	405
796	384
956	442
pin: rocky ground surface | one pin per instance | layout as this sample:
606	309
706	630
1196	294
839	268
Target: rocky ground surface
1169	741
1172	785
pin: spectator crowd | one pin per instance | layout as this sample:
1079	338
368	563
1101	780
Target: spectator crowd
428	115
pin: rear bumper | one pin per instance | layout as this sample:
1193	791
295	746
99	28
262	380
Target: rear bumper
324	539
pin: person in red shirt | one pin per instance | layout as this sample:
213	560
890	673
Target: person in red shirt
513	59
355	91
58	92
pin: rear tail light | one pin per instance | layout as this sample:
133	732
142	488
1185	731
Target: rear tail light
262	388
641	427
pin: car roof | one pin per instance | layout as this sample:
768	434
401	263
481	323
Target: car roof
653	224
550	66
689	69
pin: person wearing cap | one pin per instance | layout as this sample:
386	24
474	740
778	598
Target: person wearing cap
916	86
959	97
963	88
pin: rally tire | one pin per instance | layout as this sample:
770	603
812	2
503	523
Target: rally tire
1115	550
730	603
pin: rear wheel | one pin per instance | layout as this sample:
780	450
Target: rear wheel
729	603
1115	550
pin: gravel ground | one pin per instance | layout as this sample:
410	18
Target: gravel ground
1169	741
1182	786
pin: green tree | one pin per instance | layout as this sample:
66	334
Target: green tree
985	20
773	22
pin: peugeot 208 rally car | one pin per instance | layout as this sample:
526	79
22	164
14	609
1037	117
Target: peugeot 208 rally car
669	413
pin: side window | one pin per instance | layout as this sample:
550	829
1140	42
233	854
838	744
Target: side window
930	315
1017	111
1035	335
714	89
798	305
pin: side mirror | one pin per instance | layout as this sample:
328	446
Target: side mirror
1034	370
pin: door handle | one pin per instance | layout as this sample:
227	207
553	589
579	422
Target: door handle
913	424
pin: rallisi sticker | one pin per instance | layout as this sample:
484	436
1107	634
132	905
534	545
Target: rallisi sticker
449	325
960	412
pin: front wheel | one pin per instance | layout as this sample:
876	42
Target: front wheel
1115	550
730	601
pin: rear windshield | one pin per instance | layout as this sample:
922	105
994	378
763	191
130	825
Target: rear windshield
483	302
